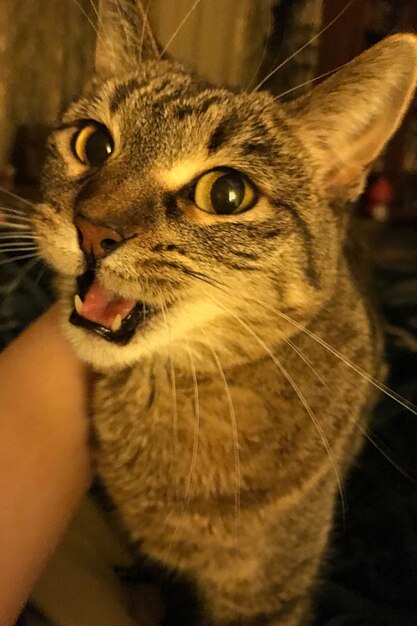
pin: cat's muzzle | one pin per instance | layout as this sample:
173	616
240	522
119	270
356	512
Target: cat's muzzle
111	317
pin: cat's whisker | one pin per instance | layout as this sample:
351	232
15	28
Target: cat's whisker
18	258
97	14
17	279
15	245
194	453
18	242
22	215
102	36
265	48
5	227
13	220
372	438
16	248
304	46
308	82
9	193
40	275
147	31
368	377
144	23
299	394
8	230
87	17
235	432
196	439
381	387
182	23
376	383
122	22
174	392
306	360
5	236
371	379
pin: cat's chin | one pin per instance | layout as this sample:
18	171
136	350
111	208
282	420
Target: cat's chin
97	351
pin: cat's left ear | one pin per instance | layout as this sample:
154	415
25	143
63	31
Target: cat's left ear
347	120
124	37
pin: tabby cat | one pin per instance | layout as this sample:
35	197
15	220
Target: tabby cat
198	237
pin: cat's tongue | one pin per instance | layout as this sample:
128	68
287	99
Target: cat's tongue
102	307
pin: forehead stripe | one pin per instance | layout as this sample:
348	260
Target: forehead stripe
222	133
198	108
307	239
124	90
122	93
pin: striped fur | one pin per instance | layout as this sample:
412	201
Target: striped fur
222	430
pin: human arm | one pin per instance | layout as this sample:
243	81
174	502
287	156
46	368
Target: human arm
44	463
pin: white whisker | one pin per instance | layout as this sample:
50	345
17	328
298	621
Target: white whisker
22	215
87	17
147	30
368	377
194	452
196	441
40	275
371	379
9	193
371	437
13	225
5	236
16	248
17	278
300	396
17	258
144	23
308	43
306	361
187	16
265	48
235	432
174	393
308	82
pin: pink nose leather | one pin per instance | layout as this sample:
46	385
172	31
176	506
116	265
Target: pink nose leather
96	241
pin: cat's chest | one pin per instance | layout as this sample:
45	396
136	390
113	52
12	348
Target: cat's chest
161	437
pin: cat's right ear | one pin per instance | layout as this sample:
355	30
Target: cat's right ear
124	38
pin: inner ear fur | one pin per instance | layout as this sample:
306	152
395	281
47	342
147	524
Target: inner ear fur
346	121
124	37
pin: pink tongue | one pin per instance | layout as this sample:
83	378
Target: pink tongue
101	307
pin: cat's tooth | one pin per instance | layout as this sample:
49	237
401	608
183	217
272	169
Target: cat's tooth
78	303
117	323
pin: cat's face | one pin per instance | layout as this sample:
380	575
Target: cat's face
180	217
210	203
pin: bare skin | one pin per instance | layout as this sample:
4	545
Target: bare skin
44	462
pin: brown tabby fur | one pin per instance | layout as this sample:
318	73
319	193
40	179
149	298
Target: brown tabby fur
223	430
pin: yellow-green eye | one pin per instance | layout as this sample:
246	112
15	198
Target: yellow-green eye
93	144
224	192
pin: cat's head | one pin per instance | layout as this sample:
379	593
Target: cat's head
181	217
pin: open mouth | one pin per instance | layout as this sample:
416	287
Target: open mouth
109	316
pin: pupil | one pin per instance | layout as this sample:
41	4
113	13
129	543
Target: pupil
99	147
227	194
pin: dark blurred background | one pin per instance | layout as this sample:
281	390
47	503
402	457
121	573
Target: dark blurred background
45	55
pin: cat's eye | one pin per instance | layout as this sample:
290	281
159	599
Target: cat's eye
93	144
224	192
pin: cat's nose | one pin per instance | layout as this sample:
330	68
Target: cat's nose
97	241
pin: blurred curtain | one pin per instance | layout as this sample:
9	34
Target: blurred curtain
294	47
45	47
46	51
